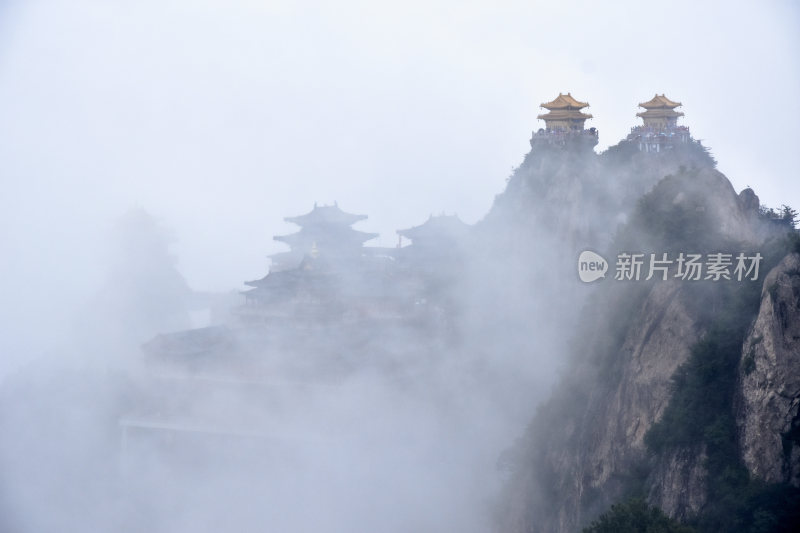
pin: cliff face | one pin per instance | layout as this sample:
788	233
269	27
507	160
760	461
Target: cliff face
628	391
558	202
576	197
586	448
678	483
768	414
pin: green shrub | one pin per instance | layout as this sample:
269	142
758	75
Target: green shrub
635	516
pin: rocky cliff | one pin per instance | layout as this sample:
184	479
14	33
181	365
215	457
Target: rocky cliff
768	407
646	403
521	272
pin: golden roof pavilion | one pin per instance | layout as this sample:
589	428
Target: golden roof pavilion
564	113
660	112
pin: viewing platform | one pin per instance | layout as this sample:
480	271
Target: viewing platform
652	139
564	137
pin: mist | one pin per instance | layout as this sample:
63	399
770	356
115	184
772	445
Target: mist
150	152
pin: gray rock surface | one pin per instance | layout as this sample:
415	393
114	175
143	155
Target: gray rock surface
586	456
769	374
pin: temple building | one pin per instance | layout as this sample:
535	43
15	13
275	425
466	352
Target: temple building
660	113
326	246
564	123
327	276
341	309
660	130
324	231
434	262
440	238
285	294
564	113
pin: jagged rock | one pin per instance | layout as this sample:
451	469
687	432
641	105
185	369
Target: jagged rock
657	343
589	457
768	413
678	482
749	202
725	207
583	460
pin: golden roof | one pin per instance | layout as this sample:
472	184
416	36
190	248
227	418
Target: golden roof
659	102
659	113
564	114
564	101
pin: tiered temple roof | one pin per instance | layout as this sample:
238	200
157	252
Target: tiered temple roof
564	113
328	215
660	130
325	231
436	249
325	248
565	102
660	112
435	230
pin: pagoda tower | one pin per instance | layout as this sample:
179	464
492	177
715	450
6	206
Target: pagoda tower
660	113
308	278
660	130
434	262
437	235
564	114
434	244
325	232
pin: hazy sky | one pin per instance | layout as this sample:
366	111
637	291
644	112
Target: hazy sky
220	118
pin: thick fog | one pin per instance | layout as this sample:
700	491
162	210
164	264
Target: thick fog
149	152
